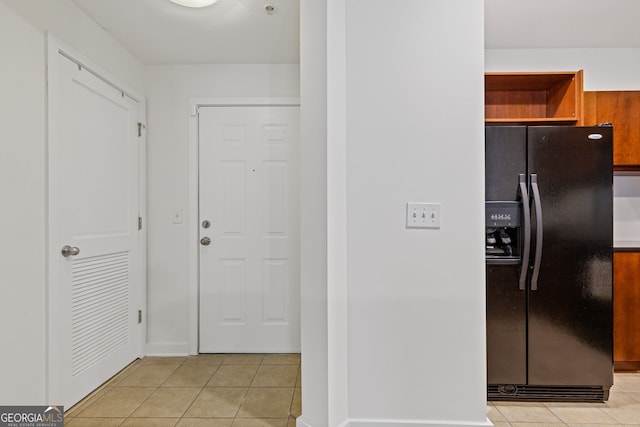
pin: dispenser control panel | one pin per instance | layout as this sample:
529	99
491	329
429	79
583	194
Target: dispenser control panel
502	214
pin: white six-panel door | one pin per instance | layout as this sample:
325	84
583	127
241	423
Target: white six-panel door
94	288
249	193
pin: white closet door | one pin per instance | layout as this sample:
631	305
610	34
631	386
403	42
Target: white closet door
249	193
94	287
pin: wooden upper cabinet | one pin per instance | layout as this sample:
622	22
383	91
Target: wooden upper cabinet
622	109
534	98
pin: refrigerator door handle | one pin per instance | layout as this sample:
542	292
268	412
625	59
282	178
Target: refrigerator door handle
527	231
539	230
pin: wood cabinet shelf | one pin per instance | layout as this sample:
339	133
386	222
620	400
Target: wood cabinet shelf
534	98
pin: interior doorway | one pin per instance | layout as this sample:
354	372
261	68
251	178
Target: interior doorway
96	255
248	228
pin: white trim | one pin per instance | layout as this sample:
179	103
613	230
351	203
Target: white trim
100	75
337	269
54	45
363	422
142	212
53	48
356	422
256	350
51	373
193	229
167	349
194	103
300	422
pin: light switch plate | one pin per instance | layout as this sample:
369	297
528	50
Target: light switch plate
177	216
423	215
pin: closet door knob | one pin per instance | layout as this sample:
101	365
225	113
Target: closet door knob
67	251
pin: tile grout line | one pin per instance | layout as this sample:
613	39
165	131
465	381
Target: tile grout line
197	395
244	398
111	386
156	389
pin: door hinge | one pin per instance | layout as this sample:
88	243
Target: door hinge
139	316
139	223
140	127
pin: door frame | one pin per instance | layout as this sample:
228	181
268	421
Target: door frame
56	47
193	207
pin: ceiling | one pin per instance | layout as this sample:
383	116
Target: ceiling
240	31
562	23
230	31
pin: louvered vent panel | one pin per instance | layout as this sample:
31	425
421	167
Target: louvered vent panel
547	393
100	307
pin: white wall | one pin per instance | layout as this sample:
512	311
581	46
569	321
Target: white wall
69	24
604	69
404	342
414	132
23	177
169	89
22	174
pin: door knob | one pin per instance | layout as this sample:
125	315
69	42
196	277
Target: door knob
67	250
205	241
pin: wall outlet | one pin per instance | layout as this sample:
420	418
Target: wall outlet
423	215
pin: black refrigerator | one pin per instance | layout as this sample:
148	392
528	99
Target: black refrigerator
549	256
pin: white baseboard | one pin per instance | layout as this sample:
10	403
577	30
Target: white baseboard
301	423
167	349
182	349
416	423
404	423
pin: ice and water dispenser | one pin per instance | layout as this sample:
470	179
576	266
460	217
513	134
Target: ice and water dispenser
503	234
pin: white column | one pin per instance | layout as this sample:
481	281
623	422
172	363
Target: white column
392	98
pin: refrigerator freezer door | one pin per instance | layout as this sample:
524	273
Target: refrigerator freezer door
505	160
506	326
570	312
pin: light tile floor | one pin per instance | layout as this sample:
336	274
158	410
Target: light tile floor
622	409
236	390
255	390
